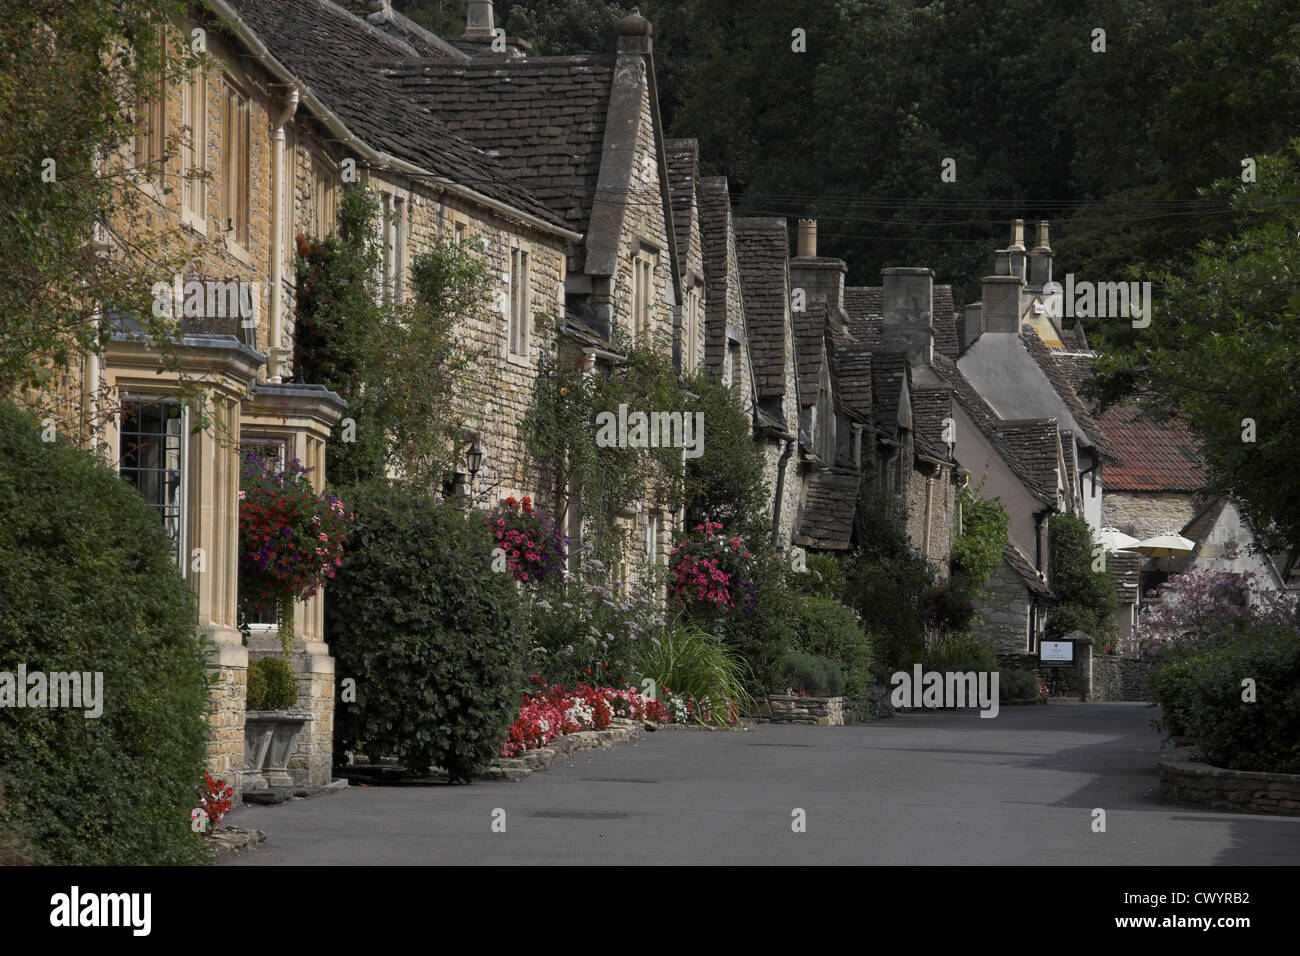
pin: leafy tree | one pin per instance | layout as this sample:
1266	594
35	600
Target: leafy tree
977	550
78	238
1087	596
1222	353
726	482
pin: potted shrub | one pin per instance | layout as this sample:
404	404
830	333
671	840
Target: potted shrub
291	543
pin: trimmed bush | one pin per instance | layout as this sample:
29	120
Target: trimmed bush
825	627
432	635
1014	684
814	675
824	577
1172	685
271	684
91	585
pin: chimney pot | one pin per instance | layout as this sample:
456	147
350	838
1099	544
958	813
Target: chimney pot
807	238
1018	234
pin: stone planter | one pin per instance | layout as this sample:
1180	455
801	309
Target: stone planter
1245	791
269	739
819	711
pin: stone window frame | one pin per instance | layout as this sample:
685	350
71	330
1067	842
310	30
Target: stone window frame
644	263
518	324
150	143
181	541
194	152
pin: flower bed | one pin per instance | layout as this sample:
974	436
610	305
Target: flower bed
554	710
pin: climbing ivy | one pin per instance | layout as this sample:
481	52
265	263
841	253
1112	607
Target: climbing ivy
977	549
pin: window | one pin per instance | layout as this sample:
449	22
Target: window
642	273
690	331
653	528
399	250
459	233
151	137
194	149
386	247
235	148
290	199
519	303
729	366
151	453
324	197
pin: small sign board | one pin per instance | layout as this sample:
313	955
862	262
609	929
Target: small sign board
1056	652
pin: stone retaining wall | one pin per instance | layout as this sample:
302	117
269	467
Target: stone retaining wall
1189	781
819	711
1120	678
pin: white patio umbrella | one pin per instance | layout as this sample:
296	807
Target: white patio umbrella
1167	545
1112	539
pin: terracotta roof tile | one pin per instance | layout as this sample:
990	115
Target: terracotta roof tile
1153	456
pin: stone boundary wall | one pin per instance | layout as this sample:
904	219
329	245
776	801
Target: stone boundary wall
818	711
1120	678
1188	781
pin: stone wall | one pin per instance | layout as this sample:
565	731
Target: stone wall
820	711
1146	513
1188	781
1004	614
1120	678
226	718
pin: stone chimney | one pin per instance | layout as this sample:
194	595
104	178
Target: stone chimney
1040	260
818	275
1016	251
908	306
972	325
807	239
1003	303
481	38
479	22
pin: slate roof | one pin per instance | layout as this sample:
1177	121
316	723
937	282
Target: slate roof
1123	569
810	348
889	370
336	55
865	308
1153	456
987	421
540	119
853	376
930	406
1076	367
1024	568
1036	444
683	159
762	252
1046	361
715	215
826	518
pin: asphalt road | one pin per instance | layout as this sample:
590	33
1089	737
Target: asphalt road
933	788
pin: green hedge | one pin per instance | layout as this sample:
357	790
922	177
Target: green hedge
825	627
89	584
434	638
1202	695
1016	684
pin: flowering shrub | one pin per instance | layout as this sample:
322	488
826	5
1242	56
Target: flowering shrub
553	710
1201	608
290	537
532	541
216	801
949	607
710	569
